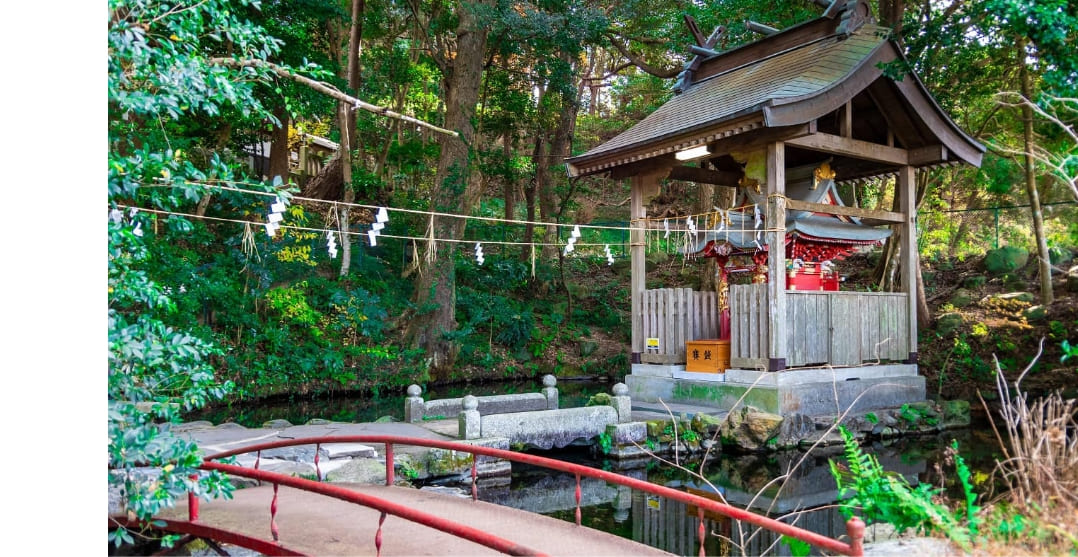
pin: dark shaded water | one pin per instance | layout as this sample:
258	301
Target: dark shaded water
351	408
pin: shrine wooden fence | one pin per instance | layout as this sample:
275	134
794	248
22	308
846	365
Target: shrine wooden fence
673	316
837	328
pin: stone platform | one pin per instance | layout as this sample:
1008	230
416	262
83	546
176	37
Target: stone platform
811	391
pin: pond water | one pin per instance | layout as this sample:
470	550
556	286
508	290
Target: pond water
300	409
806	499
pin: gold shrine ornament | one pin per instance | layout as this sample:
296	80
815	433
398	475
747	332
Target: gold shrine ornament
822	172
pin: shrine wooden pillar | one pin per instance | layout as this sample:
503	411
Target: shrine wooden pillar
776	256
906	186
643	188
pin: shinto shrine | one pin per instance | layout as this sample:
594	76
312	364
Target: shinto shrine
784	120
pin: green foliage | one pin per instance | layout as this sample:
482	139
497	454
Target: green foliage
881	496
872	418
606	442
1069	351
797	547
962	470
161	68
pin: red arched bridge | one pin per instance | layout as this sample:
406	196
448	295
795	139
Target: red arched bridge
235	522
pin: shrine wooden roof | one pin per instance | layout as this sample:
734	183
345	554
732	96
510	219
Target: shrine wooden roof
789	79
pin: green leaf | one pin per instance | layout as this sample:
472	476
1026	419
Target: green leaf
798	548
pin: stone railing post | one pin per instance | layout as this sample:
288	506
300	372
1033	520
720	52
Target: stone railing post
550	391
622	403
469	421
413	405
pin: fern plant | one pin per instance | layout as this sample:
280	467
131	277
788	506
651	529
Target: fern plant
882	496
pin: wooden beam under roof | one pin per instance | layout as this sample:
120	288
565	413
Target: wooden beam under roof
856	148
869	214
706	176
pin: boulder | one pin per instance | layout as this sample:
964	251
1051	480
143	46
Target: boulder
1027	297
359	470
587	347
794	429
750	429
276	424
600	399
1035	313
706	424
955	413
949	323
1058	255
961	298
653	260
1072	279
1005	260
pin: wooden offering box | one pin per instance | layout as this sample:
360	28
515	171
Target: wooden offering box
707	356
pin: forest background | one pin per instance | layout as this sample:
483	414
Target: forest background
203	306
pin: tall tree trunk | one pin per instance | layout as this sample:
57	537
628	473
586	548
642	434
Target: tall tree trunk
279	153
1044	266
883	274
509	186
436	284
924	315
529	228
567	106
963	225
348	132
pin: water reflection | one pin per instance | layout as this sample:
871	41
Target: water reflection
805	499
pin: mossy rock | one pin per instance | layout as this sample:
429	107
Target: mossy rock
600	399
705	424
655	427
1006	259
1060	255
441	462
1072	279
975	281
1026	297
1013	281
949	323
961	298
654	259
276	424
955	413
1035	313
386	420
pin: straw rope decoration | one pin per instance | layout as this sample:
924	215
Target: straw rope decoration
686	230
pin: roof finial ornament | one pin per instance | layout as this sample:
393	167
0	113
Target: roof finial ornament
855	14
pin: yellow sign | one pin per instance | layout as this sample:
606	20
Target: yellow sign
653	343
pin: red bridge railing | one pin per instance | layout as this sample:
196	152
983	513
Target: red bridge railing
855	527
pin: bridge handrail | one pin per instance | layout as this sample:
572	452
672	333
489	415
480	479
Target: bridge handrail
385	506
855	527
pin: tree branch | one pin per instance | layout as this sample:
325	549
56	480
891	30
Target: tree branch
325	89
640	63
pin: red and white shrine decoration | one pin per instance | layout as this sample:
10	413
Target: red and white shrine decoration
814	241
